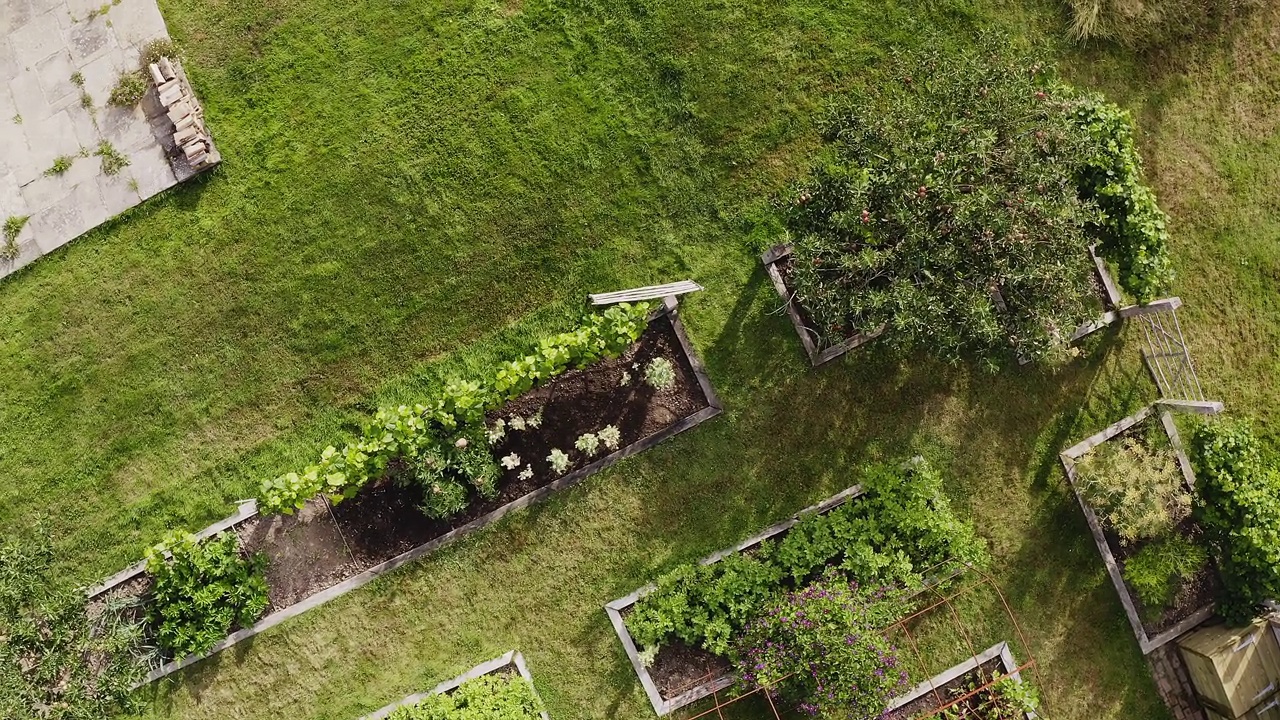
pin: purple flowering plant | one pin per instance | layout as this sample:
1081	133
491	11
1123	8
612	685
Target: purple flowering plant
824	647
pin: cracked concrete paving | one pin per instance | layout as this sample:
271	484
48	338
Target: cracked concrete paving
43	43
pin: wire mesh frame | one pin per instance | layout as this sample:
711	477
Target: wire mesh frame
720	704
1168	358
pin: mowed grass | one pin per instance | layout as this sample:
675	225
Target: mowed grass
402	178
414	189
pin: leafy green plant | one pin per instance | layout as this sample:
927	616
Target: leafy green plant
1132	228
611	436
1135	486
403	431
660	374
112	160
1154	571
489	697
156	49
824	648
129	89
59	661
12	228
558	460
588	444
201	590
945	208
1006	698
1238	505
61	164
443	470
898	529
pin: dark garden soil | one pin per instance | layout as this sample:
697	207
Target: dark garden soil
1200	590
383	520
679	668
305	552
928	704
610	392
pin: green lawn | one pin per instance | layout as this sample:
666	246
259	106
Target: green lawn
412	188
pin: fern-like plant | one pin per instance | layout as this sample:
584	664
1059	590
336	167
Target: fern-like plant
1134	486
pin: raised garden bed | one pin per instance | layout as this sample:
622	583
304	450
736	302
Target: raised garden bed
682	675
1194	599
323	551
777	262
956	685
511	663
818	348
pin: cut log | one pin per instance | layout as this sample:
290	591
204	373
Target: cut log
156	75
193	149
179	111
167	86
185	135
198	160
166	68
186	122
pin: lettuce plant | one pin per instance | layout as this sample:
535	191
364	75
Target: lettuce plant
558	460
588	443
489	697
660	374
610	436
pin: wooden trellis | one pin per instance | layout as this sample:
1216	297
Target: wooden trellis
1166	352
932	600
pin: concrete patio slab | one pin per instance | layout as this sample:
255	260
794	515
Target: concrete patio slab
43	44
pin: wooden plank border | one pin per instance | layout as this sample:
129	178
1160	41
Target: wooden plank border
1111	299
247	510
999	650
808	338
650	292
714	408
512	659
615	609
1069	458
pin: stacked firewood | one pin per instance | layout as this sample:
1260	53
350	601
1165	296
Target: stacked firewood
184	111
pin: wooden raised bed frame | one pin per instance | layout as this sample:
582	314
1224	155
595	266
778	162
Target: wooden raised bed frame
512	661
615	610
248	510
1075	452
998	651
1111	300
